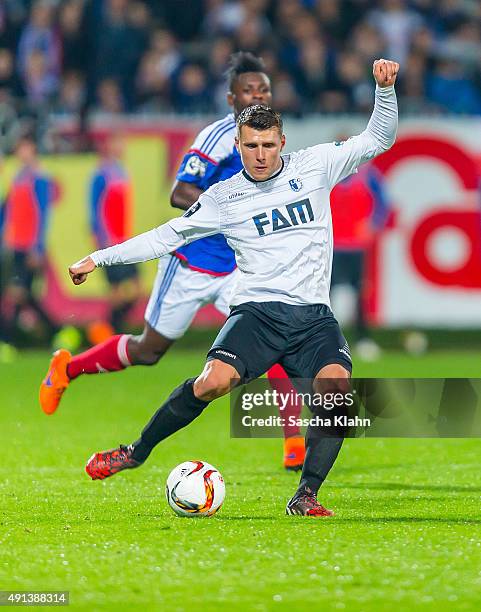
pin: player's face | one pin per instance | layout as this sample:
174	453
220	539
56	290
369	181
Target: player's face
260	151
250	88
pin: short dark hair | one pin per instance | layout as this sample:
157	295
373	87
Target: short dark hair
259	118
242	62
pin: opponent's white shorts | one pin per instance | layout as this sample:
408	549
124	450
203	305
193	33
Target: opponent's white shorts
180	292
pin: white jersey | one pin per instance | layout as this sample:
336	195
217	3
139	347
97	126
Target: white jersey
280	228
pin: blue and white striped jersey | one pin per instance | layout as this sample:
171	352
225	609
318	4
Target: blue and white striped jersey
211	158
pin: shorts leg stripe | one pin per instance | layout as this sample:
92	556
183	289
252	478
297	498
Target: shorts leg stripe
164	287
164	282
161	287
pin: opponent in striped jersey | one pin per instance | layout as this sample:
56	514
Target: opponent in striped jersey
212	158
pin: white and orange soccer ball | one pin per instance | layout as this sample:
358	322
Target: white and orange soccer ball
195	488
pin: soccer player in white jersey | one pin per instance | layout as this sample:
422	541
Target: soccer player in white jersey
275	214
196	274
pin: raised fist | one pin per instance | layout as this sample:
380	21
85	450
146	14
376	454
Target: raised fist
385	72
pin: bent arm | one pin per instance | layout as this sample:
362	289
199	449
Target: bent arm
342	159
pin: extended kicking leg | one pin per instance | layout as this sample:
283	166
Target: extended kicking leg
294	447
183	405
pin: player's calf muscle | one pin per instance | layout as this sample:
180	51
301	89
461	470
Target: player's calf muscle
141	356
146	350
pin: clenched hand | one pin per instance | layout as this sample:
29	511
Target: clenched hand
385	72
80	270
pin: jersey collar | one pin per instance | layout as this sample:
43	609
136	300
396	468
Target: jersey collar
273	176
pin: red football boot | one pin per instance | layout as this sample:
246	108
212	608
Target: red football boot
107	463
304	503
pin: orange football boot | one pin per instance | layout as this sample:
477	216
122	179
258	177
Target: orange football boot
294	453
56	381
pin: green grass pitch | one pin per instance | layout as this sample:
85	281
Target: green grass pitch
406	535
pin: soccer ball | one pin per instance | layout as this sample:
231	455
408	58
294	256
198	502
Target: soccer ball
195	488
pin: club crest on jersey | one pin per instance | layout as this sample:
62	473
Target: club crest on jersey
284	218
295	184
195	166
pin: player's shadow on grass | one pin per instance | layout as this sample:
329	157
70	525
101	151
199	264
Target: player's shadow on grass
247	518
396	486
361	519
409	519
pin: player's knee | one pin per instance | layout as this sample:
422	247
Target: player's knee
216	380
332	378
211	387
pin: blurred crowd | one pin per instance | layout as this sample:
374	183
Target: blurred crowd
64	57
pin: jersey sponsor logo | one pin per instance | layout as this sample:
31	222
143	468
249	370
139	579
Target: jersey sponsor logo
193	209
237	194
195	166
339	143
295	184
284	218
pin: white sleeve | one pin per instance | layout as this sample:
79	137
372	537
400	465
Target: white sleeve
343	158
199	221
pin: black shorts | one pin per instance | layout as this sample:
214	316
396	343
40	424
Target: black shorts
303	339
120	273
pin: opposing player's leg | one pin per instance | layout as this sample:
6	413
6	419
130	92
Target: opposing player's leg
167	318
112	355
321	359
244	349
294	447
